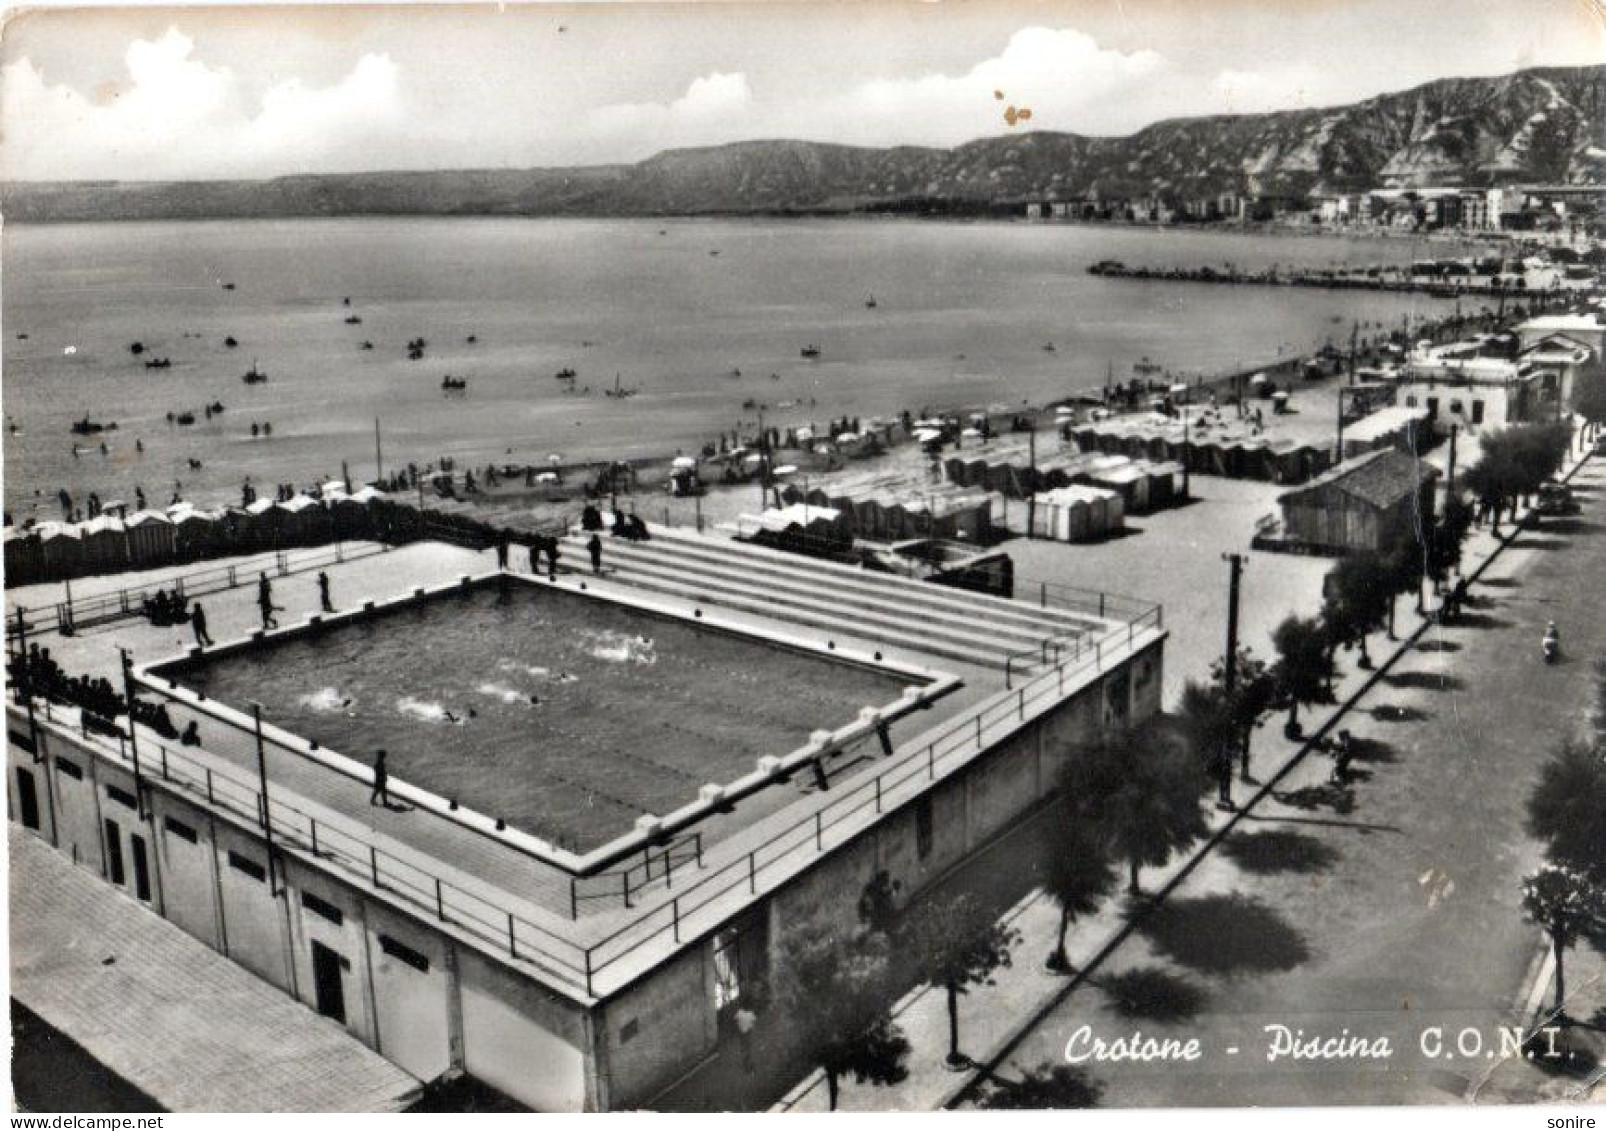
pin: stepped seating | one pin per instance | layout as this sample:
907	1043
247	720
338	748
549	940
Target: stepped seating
837	600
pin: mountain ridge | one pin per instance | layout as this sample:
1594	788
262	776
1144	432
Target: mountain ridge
1541	124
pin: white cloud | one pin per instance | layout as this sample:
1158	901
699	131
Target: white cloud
174	116
1062	75
1253	92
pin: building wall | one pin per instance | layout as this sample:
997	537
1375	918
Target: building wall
433	1005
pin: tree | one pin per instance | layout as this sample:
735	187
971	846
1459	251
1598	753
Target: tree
959	943
1205	722
1077	873
1444	542
1304	669
1046	1087
833	988
1357	594
1142	786
1567	809
1250	696
1565	905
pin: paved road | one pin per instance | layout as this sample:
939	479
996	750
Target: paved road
1400	914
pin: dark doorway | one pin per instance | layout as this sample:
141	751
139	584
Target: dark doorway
114	853
328	983
27	799
142	869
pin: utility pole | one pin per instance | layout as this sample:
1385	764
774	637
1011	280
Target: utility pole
1235	566
262	776
1031	490
379	460
1354	345
1449	479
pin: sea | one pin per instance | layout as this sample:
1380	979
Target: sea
702	321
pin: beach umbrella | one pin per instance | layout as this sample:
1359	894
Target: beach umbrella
847	438
971	433
927	435
1179	388
756	457
1258	379
786	469
547	477
1064	410
680	462
804	434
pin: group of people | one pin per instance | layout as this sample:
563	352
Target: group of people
37	673
166	607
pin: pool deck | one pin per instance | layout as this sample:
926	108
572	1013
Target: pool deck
631	940
124	984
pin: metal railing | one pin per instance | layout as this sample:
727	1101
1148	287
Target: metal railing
103	608
695	907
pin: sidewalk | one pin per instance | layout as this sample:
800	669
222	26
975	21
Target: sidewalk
993	1019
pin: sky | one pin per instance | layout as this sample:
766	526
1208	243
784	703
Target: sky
149	93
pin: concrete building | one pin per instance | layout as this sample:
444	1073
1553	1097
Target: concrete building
577	964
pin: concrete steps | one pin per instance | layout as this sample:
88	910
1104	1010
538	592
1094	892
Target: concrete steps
894	612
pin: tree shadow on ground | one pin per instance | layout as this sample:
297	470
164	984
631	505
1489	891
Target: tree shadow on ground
1150	993
1534	542
1224	935
1499	583
1575	1055
1324	796
1278	850
1438	646
1396	713
1480	620
1569	526
1427	681
1373	750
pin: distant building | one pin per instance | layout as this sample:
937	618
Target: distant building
1372	503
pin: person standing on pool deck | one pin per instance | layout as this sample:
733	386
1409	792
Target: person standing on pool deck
323	592
381	793
595	546
552	559
198	622
265	603
501	551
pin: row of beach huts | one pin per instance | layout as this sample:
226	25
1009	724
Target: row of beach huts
147	539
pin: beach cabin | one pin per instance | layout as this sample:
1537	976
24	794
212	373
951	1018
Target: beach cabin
24	556
1375	502
62	547
104	544
305	522
802	529
150	539
267	524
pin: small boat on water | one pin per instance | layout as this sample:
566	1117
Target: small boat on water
184	418
230	342
227	286
565	374
353	320
367	346
870	303
1146	366
619	390
158	363
88	427
136	348
452	384
810	351
254	376
1048	347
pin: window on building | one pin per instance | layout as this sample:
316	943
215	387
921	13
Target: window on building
114	854
1477	412
121	796
727	968
248	866
401	952
69	769
1410	401
923	827
1455	408
323	908
181	830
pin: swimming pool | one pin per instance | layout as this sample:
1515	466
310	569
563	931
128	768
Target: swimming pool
566	715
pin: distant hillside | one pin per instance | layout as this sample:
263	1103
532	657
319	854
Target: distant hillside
1539	125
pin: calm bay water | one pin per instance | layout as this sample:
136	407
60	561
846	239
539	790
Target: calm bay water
963	314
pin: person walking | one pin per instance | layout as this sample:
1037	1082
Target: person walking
552	559
501	551
324	602
595	547
265	603
381	793
198	623
746	1020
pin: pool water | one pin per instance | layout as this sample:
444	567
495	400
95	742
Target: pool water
567	716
